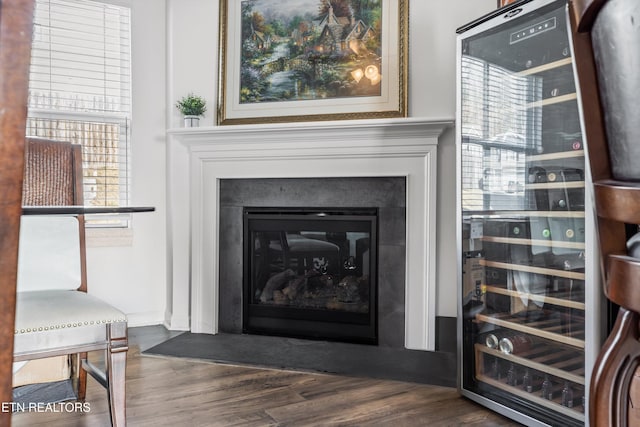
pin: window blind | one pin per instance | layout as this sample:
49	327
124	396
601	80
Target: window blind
80	91
498	126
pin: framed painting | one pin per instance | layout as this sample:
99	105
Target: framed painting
306	60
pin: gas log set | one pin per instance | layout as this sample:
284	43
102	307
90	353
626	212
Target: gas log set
316	290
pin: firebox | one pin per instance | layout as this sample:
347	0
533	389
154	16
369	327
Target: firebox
311	273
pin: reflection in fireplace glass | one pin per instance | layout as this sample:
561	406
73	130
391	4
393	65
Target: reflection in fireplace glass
311	266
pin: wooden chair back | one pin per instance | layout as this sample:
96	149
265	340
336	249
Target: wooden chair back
606	35
53	173
53	177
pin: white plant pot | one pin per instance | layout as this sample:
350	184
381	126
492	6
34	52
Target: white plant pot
191	121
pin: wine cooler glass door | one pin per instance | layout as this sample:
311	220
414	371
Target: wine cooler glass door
521	214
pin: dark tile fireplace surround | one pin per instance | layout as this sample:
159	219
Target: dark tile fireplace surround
387	194
389	358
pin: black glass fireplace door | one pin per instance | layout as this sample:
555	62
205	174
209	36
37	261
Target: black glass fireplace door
311	273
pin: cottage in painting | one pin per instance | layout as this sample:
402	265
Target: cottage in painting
261	40
305	32
343	34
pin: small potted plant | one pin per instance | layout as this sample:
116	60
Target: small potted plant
192	107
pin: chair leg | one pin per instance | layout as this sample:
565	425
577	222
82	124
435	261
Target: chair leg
116	371
81	376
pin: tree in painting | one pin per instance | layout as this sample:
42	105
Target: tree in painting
310	49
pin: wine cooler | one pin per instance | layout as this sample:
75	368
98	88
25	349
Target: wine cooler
530	305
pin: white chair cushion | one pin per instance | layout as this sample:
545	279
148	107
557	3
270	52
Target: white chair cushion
49	253
53	319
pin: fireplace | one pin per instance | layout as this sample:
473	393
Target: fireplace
204	292
311	273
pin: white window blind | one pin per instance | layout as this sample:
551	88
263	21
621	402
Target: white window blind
80	91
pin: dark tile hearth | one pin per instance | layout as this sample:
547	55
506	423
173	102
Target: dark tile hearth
437	368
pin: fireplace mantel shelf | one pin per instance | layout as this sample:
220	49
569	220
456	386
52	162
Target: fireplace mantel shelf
198	158
331	129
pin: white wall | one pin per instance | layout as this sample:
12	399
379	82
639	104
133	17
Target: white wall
131	274
432	82
193	54
175	50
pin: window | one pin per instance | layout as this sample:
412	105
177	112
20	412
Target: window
80	91
498	113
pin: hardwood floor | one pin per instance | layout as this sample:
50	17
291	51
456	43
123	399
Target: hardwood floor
180	392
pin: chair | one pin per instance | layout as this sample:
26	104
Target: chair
54	314
607	54
16	18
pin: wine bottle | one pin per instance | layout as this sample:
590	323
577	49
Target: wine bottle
495	369
515	343
547	388
527	381
511	375
567	395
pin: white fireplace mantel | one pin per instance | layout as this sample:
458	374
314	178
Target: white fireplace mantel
198	158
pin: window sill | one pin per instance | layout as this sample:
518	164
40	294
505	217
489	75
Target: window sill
108	237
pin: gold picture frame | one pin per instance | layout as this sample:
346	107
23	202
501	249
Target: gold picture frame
309	60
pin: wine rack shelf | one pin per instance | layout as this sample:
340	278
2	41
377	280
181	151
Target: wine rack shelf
559	300
570	333
516	214
554	100
551	404
561	155
532	269
555	185
559	362
534	242
546	67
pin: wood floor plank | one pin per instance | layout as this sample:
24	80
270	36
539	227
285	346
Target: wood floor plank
193	393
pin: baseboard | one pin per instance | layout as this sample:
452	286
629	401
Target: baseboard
446	334
175	323
145	319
